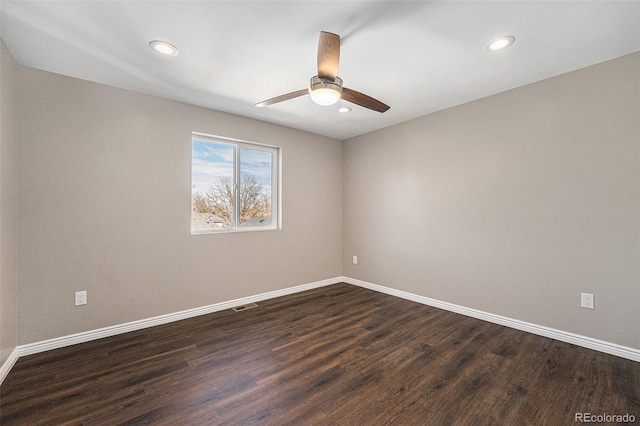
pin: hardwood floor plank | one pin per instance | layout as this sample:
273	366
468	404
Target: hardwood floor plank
334	355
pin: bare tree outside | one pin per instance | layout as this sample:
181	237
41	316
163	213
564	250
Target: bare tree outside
255	200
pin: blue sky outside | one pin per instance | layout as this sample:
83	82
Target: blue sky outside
212	159
258	164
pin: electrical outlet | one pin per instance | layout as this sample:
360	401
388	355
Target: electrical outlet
81	298
355	260
586	301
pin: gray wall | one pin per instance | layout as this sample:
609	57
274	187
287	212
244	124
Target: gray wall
104	206
8	205
512	204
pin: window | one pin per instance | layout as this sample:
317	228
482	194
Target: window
234	185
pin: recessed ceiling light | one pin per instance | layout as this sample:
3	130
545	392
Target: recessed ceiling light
344	109
163	48
500	43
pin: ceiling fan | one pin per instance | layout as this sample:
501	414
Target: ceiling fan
326	88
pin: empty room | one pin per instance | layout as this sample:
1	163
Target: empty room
319	212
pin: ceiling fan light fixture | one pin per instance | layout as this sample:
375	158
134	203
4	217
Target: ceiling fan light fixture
324	91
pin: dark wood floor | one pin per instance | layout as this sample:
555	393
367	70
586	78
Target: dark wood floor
338	355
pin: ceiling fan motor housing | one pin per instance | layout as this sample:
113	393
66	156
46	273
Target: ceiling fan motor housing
324	91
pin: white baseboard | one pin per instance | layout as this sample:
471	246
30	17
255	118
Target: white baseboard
73	339
8	364
87	336
59	342
563	336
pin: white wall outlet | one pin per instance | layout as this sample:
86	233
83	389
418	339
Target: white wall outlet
586	301
355	260
81	298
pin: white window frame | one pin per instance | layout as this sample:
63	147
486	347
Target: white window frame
276	183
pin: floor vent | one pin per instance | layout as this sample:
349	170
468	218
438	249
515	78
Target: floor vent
245	307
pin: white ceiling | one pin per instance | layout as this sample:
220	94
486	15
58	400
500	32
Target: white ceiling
418	57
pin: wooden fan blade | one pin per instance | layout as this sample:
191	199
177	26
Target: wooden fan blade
282	98
363	100
328	55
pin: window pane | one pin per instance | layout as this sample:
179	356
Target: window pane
212	183
255	187
234	185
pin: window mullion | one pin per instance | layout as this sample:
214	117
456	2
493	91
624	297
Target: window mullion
236	187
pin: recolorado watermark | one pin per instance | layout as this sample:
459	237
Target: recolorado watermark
604	418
